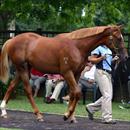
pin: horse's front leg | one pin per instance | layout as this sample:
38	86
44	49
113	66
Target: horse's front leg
27	87
11	87
75	93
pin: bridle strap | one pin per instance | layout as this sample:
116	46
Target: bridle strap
112	42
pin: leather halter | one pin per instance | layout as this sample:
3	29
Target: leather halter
111	42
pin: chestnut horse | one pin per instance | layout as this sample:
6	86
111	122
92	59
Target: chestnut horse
64	54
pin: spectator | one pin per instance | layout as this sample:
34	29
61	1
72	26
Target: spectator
36	79
88	75
55	82
102	57
86	79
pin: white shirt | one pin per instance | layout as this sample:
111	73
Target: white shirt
90	74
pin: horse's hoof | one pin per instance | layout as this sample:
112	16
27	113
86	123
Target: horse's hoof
74	121
40	120
4	116
65	118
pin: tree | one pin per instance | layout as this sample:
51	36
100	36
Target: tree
59	15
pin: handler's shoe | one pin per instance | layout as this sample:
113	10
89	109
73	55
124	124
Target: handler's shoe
90	115
109	122
52	100
47	99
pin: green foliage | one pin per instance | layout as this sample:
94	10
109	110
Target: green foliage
3	88
59	15
17	90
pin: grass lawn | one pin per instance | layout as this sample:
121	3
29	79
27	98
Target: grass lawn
21	103
9	129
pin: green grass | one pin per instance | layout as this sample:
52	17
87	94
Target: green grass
9	129
21	103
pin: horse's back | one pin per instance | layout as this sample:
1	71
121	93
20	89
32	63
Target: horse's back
43	53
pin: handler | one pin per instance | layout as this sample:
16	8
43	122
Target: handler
102	57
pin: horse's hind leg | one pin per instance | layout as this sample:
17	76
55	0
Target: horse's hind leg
25	78
11	87
75	93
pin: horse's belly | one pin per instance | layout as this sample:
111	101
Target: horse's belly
45	65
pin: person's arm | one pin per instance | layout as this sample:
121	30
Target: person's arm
95	59
87	68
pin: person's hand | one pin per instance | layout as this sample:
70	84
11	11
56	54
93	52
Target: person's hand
103	57
115	58
91	81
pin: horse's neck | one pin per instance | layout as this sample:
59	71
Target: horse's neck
86	45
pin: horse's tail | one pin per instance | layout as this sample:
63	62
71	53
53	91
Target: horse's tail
4	63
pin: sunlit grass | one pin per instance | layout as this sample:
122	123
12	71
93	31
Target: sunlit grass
21	103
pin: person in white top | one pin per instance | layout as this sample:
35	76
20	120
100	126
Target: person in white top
86	79
90	74
87	76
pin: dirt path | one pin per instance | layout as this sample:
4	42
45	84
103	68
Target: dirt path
27	121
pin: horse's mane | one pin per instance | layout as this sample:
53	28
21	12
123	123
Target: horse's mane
85	32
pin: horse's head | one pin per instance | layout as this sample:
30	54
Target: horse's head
115	41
